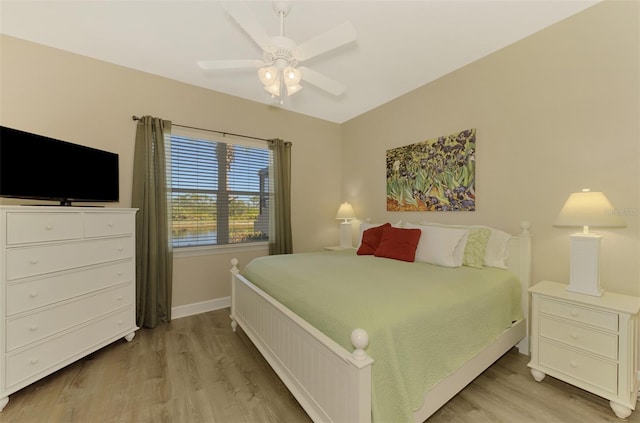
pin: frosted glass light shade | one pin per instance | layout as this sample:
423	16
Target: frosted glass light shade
273	89
292	76
268	75
586	209
292	89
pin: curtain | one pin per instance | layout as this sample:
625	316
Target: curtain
154	256
280	239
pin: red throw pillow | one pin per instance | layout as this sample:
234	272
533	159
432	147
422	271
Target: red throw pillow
399	244
371	239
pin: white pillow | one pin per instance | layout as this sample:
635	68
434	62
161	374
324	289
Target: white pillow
440	245
367	225
497	251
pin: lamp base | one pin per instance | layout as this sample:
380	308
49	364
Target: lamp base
585	264
345	235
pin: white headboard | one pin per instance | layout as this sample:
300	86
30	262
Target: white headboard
519	262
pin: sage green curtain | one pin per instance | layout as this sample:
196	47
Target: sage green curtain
154	255
280	239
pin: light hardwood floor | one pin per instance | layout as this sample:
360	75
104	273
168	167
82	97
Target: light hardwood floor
195	369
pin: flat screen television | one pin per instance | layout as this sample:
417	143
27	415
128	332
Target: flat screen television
38	167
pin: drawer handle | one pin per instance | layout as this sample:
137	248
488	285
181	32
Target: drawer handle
119	322
573	364
48	227
120	248
33	361
120	297
33	328
110	224
574	313
33	294
574	335
33	261
119	274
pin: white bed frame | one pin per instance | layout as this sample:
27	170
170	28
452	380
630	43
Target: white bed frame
333	384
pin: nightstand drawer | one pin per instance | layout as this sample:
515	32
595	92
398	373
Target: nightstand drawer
599	373
590	316
605	344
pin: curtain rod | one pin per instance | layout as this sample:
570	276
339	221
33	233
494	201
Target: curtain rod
134	117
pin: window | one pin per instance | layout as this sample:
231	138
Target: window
219	190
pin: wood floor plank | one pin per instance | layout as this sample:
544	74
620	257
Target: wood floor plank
196	370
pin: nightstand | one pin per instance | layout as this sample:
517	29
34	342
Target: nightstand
587	341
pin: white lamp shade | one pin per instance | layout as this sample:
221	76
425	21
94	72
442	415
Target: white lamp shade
588	208
345	212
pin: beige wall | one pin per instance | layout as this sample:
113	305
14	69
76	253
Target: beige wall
554	113
78	99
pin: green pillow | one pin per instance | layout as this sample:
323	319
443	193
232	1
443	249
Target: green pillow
476	247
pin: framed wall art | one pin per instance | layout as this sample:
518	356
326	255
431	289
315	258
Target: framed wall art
433	175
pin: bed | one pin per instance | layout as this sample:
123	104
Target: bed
349	355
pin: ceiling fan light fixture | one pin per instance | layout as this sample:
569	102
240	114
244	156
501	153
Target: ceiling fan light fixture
268	75
273	88
292	76
292	89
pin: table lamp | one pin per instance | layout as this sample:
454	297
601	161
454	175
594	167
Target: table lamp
586	209
345	212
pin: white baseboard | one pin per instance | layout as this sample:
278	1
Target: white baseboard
201	307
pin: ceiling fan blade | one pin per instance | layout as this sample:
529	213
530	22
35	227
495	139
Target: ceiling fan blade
230	64
323	82
248	22
334	38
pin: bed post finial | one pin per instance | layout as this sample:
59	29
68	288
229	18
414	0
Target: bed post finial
234	265
360	340
524	227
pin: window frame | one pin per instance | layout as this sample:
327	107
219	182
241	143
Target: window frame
198	250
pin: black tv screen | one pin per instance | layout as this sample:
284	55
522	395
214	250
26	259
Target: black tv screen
38	167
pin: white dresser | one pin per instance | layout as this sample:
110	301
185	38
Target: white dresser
67	287
590	342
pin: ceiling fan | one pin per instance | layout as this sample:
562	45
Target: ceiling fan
278	70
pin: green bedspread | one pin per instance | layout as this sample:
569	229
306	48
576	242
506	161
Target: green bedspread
423	321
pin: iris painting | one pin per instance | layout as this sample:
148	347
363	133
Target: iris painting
433	175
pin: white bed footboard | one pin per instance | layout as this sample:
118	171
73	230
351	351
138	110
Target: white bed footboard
331	383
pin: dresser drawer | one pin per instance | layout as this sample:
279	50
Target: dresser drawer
40	360
602	343
31	261
599	373
601	319
32	327
108	224
24	296
24	228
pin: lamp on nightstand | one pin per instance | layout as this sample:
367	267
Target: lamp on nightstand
586	209
345	212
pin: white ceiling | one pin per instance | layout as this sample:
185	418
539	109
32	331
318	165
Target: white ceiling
401	45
